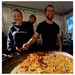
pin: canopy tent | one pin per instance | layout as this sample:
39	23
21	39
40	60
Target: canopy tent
63	10
61	7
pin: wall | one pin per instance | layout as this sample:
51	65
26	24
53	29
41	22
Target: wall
7	18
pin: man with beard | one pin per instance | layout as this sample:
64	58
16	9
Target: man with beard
49	31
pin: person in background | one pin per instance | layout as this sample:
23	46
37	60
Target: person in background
18	33
49	31
32	20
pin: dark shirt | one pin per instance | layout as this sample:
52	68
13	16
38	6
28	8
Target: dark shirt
18	35
31	26
49	34
33	46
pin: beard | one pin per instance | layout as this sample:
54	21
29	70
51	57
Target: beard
49	18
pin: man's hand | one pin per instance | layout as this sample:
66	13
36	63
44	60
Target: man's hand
31	41
25	46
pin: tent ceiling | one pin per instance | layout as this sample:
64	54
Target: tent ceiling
61	7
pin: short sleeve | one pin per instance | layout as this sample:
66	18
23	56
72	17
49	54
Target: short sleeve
38	30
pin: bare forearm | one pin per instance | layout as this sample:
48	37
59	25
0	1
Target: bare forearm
33	39
59	41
